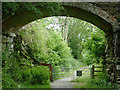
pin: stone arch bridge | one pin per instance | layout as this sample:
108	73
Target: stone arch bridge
105	15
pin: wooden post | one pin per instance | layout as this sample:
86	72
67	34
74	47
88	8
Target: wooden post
93	71
51	76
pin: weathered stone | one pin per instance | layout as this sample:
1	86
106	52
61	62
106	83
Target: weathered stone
117	39
117	51
109	71
108	60
81	10
112	77
7	41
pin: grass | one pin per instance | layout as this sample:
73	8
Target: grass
32	86
100	81
35	86
25	85
11	83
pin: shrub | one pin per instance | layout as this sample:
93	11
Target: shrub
102	81
36	75
7	81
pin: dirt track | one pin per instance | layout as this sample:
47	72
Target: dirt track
63	83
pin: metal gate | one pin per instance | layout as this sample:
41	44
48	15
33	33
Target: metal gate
72	72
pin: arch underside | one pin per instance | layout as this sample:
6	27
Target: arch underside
24	17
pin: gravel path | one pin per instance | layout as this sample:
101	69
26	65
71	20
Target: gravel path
66	82
63	83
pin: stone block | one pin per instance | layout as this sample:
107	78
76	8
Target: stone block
117	51
117	37
112	76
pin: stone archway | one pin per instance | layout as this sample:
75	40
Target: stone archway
80	10
85	11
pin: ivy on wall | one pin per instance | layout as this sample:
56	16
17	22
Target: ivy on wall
9	9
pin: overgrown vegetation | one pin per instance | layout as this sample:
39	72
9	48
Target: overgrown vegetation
60	41
15	74
101	81
86	40
9	9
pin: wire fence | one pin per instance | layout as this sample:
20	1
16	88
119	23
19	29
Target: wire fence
73	72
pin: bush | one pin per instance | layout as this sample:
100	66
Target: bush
102	81
7	81
36	75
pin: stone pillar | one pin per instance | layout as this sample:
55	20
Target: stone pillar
117	51
110	55
113	53
109	45
117	42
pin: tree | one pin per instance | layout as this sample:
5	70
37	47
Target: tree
82	37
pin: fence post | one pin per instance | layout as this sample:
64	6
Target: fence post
51	76
50	66
90	72
93	71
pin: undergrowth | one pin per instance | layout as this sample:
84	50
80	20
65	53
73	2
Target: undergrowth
101	81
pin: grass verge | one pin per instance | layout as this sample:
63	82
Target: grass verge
100	81
35	86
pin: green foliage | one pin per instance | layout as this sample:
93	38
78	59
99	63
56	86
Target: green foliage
11	68
77	33
36	75
8	81
54	8
37	86
15	67
86	41
101	81
12	8
96	44
46	45
10	61
13	72
95	47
